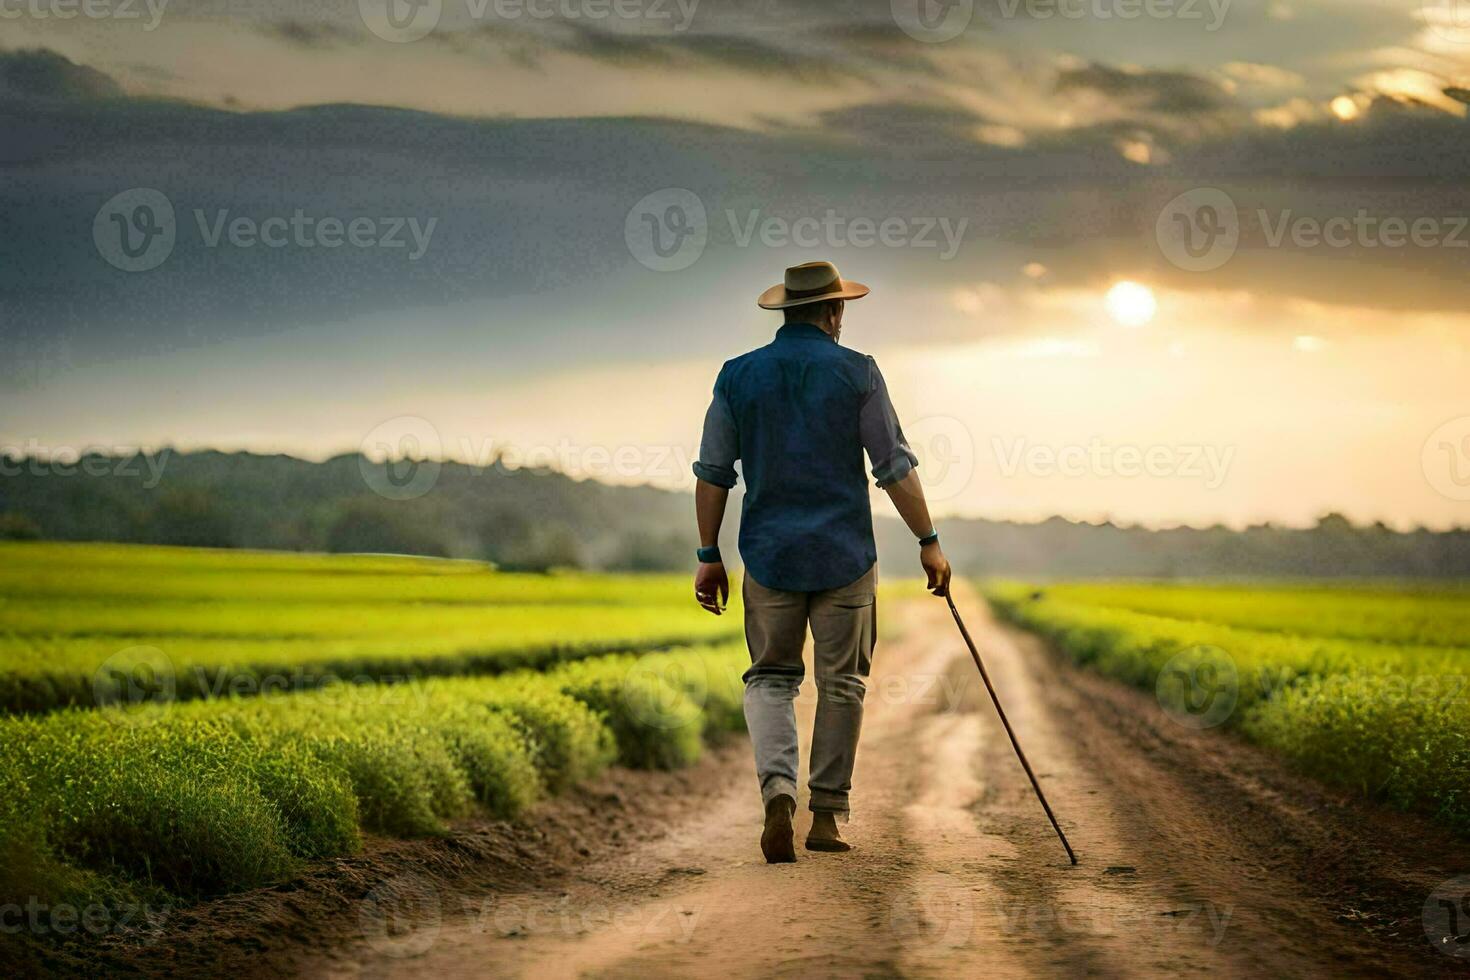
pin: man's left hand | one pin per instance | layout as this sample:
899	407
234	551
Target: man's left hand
936	567
712	586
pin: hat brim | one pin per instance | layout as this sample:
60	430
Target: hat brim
776	298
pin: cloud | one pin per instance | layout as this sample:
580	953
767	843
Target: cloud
42	74
1263	76
533	207
315	36
1168	92
1412	87
907	125
686	51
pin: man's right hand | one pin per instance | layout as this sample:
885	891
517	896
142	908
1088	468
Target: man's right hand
936	566
712	586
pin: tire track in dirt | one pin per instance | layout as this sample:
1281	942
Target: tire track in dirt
1193	851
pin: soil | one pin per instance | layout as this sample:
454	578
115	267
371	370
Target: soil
1199	854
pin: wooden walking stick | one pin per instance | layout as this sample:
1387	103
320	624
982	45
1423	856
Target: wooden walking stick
985	676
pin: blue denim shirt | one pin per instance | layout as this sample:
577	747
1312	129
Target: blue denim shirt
799	413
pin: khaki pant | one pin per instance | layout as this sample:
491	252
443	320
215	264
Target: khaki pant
844	624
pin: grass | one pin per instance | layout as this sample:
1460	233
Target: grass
73	617
1418	616
1339	681
125	572
213	796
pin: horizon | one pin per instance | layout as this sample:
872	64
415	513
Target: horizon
69	462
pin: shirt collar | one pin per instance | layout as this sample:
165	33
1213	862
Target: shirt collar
808	331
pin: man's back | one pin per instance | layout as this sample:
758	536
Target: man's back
799	413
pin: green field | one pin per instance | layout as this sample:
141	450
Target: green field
75	620
1362	686
211	796
185	723
410	693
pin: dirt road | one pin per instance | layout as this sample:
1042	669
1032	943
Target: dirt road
1198	855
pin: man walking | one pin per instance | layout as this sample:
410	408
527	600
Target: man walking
799	413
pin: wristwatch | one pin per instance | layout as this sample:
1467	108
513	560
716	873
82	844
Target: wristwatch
710	555
929	538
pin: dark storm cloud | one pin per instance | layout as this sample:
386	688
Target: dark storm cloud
688	50
313	36
809	41
907	125
886	47
613	47
1172	92
43	74
758	55
812	39
526	207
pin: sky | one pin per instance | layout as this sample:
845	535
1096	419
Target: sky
1154	261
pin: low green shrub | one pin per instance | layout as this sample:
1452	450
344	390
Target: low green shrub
1390	719
655	724
204	797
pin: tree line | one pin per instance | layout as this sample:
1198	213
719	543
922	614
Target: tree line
538	519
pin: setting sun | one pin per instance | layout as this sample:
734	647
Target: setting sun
1131	304
1345	107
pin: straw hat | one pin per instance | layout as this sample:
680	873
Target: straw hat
810	282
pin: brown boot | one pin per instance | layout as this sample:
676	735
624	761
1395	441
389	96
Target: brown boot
777	842
824	835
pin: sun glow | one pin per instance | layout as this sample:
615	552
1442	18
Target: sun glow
1130	303
1345	107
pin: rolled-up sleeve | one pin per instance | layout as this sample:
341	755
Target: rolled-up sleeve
719	447
883	438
